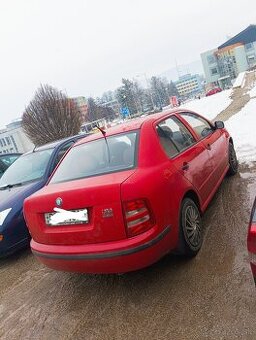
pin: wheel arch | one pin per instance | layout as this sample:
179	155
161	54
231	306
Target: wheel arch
194	197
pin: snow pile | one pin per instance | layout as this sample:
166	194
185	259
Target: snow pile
242	129
240	80
211	106
252	92
241	126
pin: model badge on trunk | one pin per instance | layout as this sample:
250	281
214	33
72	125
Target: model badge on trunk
107	212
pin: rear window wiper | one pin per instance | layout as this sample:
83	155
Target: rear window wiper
9	186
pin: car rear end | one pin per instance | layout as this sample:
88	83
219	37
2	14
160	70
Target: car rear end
251	240
109	230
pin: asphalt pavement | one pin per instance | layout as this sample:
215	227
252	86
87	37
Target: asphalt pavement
209	297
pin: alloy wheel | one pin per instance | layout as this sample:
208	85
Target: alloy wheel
192	227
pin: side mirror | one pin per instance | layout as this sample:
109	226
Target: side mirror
219	124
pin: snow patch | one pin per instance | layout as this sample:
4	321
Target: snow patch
242	129
210	106
252	92
240	80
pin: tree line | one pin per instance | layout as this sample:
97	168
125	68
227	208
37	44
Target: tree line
51	115
134	97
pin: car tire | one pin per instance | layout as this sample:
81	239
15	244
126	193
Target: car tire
232	160
190	229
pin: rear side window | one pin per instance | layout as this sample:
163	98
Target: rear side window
201	127
115	153
174	136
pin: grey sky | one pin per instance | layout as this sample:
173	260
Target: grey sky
86	47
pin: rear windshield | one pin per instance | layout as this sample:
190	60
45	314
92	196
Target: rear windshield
115	153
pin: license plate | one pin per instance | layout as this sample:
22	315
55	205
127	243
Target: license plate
55	218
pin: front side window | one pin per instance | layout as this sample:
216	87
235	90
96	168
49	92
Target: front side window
201	127
102	156
26	168
174	136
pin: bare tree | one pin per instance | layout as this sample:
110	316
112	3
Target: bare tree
50	116
96	111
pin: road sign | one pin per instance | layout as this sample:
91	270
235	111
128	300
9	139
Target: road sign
125	111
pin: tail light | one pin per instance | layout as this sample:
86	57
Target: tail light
138	217
251	239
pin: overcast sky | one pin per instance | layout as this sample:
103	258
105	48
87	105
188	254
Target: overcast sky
85	47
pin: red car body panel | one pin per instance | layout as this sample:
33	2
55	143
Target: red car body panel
103	245
105	190
251	241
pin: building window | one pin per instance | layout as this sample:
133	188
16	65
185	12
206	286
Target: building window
214	71
210	59
251	57
8	140
248	46
14	143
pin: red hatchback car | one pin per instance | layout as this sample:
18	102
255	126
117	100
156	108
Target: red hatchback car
122	199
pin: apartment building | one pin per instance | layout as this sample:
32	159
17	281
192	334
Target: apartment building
223	64
188	85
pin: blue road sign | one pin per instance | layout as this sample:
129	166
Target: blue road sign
125	111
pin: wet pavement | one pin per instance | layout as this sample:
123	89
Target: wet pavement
209	297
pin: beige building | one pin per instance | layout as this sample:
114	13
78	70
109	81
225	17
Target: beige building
13	139
81	105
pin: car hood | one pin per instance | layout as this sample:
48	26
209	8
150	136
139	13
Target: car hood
16	195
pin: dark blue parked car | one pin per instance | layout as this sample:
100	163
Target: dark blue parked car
25	176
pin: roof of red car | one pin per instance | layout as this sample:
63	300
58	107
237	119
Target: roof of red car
133	124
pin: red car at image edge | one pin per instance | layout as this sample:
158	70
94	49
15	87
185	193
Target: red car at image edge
123	198
213	91
251	240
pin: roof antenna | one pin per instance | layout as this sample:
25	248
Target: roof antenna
101	130
104	135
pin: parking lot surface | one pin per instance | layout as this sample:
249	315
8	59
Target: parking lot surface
209	297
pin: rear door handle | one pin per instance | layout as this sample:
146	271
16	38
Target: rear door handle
185	166
208	146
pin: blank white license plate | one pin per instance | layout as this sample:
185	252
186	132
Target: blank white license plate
84	220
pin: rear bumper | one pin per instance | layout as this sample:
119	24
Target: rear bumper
112	257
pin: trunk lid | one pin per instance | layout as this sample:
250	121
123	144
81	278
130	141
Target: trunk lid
100	195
